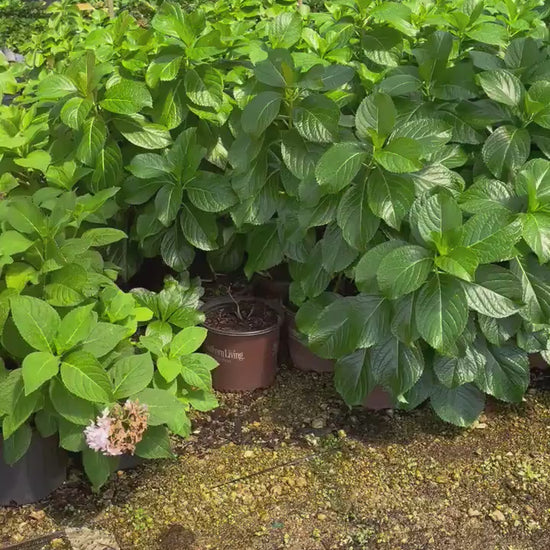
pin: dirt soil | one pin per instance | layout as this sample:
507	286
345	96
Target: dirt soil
242	316
292	468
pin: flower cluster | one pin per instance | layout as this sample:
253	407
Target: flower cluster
118	430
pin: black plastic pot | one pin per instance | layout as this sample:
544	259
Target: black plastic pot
247	359
33	477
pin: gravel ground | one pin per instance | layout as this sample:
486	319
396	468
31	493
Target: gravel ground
292	468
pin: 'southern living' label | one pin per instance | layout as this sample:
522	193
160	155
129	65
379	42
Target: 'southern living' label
225	353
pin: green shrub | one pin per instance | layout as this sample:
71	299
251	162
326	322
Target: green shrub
394	155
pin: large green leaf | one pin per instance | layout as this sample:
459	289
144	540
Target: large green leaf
36	321
37	369
127	97
75	328
264	249
84	376
155	444
455	371
396	366
502	86
69	406
367	267
390	196
261	112
460	406
506	149
496	292
337	253
163	407
536	232
376	114
75	112
211	192
350	323
492	235
204	86
441	312
355	218
285	30
353	378
198	227
131	374
143	133
339	165
316	118
401	155
93	136
404	270
506	372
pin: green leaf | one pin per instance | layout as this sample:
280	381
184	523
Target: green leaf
103	338
155	444
502	86
75	111
150	165
84	376
396	366
69	406
492	235
316	118
168	202
285	30
353	378
75	328
404	270
336	252
355	218
131	374
15	446
496	292
163	406
461	262
102	236
36	160
348	324
71	436
401	155
12	242
169	368
199	228
204	87
175	250
339	165
506	149
277	70
264	249
55	86
23	215
390	196
127	97
402	324
430	133
97	467
17	405
536	232
377	114
37	369
489	33
94	134
536	290
367	267
201	400
486	194
142	133
211	192
187	341
441	312
506	373
455	371
460	406
261	112
499	331
36	321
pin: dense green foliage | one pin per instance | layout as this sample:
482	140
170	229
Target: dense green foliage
393	154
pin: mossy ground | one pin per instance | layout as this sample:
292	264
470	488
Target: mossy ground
257	476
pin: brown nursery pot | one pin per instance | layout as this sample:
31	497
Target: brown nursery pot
247	356
378	399
33	477
300	354
536	362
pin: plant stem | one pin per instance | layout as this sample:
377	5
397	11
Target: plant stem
238	309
